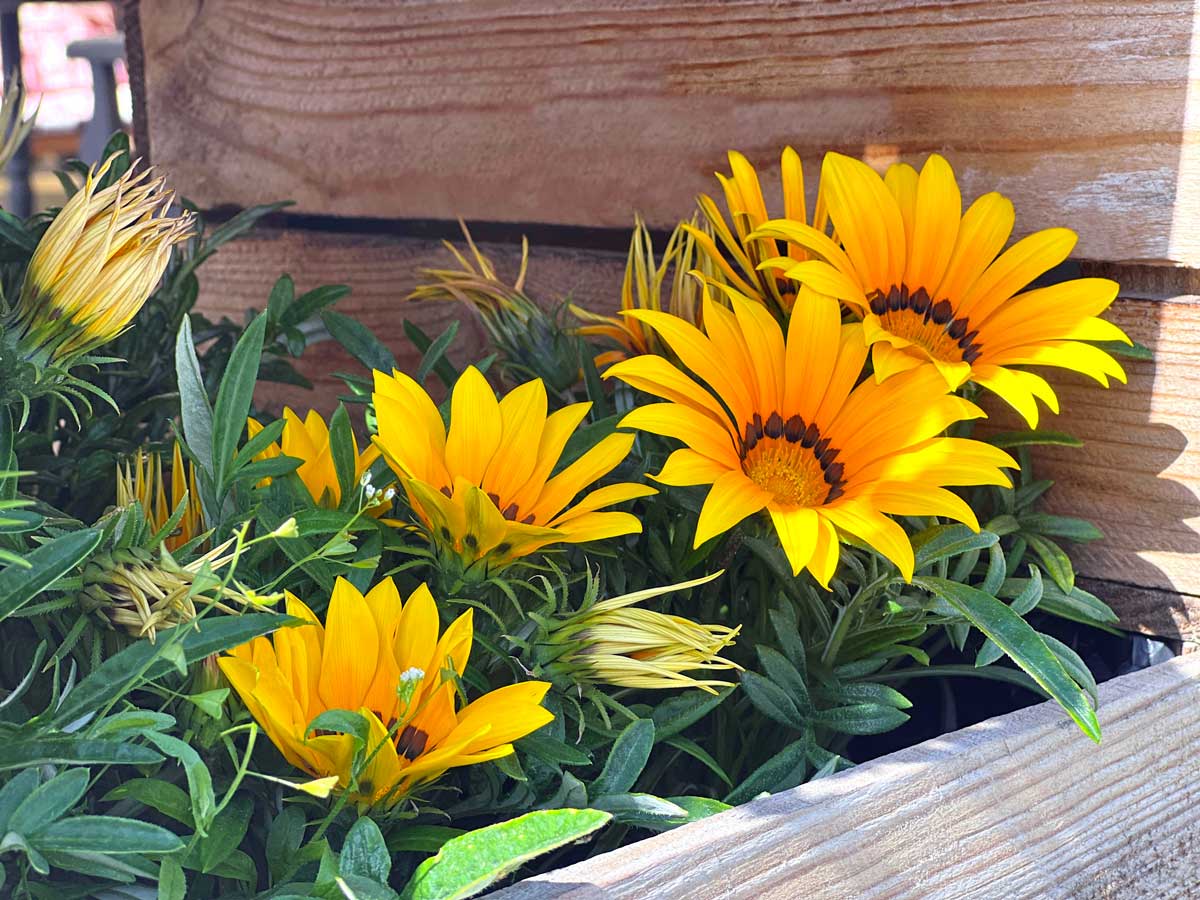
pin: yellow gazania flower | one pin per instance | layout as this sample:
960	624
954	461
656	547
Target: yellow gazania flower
930	288
141	481
610	642
643	289
748	210
782	426
484	490
384	660
98	262
307	440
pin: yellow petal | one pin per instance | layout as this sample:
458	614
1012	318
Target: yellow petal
797	530
694	428
475	427
351	649
732	498
596	462
935	226
686	467
417	632
522	416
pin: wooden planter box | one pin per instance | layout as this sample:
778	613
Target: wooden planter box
384	120
1018	806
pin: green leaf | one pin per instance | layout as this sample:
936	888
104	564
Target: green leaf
341	447
62	751
309	304
861	718
342	721
234	397
552	750
193	398
364	853
1057	563
225	833
199	779
105	834
944	541
782	771
640	810
467	864
47	564
699	807
211	702
676	713
14	793
163	797
868	692
772	701
1078	606
280	298
1068	527
1022	644
172	883
49	801
626	759
435	353
359	341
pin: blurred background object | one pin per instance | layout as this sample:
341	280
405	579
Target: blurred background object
71	58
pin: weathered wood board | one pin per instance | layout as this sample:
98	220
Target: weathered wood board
1135	476
1020	806
580	110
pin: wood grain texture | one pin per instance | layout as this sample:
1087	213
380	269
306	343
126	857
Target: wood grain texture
1138	475
1020	806
579	111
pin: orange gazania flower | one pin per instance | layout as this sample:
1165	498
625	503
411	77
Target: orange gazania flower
932	286
781	426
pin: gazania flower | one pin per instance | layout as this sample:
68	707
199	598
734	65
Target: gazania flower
781	426
643	289
613	642
384	660
307	440
932	286
484	490
141	481
740	246
97	263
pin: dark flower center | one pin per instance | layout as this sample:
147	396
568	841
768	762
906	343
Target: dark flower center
790	460
932	326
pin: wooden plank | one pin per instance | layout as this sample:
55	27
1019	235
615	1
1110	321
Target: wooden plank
382	270
581	110
1138	475
1020	806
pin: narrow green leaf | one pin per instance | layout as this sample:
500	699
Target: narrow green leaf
782	771
861	718
193	398
359	341
1022	644
640	810
161	796
944	541
466	865
626	759
73	751
199	779
234	397
14	793
106	834
674	714
1054	558
772	701
47	564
